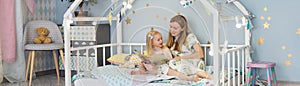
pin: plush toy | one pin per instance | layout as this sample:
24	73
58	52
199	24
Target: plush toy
42	37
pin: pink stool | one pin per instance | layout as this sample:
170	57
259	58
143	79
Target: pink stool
252	66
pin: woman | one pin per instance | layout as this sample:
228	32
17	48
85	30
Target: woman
186	48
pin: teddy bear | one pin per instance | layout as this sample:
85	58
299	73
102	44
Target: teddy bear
42	37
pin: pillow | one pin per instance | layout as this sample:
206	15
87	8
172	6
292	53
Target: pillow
131	61
118	58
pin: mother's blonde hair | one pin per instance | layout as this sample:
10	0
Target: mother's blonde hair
149	40
181	20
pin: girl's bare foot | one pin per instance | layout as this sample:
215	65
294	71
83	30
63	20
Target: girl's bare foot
196	78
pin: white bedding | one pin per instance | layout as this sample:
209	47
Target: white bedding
114	76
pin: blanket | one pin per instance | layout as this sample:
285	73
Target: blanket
116	76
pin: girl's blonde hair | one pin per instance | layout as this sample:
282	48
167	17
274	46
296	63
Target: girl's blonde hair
149	40
181	20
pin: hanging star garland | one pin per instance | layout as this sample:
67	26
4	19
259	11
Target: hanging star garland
290	55
287	63
260	41
266	25
283	47
128	21
265	9
110	18
269	18
262	17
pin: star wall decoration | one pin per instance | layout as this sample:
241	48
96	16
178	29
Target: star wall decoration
283	47
265	9
298	31
156	16
128	21
260	41
262	17
290	55
165	19
287	63
266	25
269	18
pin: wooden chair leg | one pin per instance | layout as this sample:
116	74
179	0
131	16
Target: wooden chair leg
62	56
28	65
56	64
32	67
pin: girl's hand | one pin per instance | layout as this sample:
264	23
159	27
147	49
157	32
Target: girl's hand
148	67
177	58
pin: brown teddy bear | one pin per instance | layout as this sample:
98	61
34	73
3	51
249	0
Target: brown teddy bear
42	37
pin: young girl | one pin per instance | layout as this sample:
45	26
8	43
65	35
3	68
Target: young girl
184	42
155	50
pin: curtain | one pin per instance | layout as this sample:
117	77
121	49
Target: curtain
8	31
1	69
15	72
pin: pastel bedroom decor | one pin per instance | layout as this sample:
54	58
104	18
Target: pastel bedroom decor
126	30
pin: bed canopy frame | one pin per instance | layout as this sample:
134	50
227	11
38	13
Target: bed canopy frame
68	19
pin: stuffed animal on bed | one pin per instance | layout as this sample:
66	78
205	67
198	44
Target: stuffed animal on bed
42	37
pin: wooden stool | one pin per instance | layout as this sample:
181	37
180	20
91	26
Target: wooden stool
252	66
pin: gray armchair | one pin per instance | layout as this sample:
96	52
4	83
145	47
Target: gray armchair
56	44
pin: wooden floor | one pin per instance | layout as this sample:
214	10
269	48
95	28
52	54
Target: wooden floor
45	80
51	80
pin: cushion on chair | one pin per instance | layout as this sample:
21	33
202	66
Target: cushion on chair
51	46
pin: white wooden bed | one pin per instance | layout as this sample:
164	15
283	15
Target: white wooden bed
228	60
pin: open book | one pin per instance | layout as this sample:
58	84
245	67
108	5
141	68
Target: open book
156	59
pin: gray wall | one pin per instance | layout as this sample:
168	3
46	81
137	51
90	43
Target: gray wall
282	31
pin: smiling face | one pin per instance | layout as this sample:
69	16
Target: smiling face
157	41
175	29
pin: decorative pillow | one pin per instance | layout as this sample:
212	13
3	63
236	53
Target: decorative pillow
132	61
118	59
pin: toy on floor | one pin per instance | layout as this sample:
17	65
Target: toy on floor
42	37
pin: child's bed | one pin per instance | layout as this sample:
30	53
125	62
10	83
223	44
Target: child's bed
228	60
